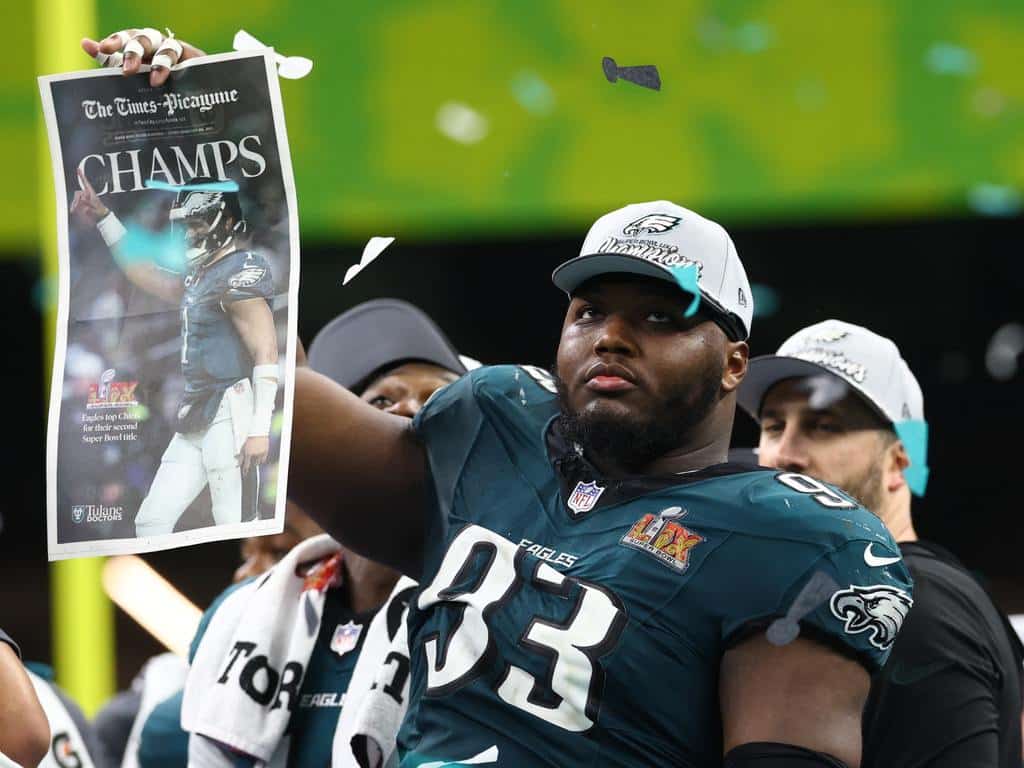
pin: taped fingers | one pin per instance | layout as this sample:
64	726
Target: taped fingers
109	59
131	48
168	54
121	39
143	43
110	52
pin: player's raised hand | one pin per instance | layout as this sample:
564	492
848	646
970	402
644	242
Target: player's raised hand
87	203
131	48
254	451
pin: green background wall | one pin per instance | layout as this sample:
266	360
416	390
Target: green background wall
770	109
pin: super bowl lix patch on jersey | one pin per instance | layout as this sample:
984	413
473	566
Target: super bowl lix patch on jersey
878	608
665	538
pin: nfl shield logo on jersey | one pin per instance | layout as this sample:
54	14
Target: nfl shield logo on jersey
584	496
346	637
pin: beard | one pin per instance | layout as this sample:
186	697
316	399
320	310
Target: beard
867	489
633	442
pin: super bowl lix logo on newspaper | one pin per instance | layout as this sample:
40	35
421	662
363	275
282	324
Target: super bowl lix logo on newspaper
172	376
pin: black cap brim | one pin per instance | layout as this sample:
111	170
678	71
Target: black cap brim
766	371
571	274
377	335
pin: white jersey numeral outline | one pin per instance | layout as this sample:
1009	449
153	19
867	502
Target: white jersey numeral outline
574	676
184	335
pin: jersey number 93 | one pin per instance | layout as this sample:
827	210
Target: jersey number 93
479	576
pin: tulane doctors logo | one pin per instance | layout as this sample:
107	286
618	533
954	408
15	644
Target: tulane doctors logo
651	224
96	513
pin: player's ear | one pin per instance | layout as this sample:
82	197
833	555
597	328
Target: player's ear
894	461
737	353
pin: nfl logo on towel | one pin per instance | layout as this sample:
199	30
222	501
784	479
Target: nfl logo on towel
346	637
584	496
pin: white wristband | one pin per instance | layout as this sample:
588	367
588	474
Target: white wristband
111	229
264	385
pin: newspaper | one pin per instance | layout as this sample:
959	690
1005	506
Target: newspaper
178	243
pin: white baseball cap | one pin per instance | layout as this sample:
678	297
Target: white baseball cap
870	364
655	239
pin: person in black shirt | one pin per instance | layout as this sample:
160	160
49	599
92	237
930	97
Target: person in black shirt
838	402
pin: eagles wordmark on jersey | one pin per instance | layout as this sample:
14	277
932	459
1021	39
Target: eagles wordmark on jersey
567	620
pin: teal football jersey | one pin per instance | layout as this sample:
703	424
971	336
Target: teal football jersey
566	620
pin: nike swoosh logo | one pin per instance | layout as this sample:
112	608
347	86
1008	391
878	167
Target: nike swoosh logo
487	757
875	561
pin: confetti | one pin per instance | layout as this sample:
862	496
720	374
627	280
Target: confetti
373	249
288	67
825	391
461	123
766	300
995	200
949	59
687	278
532	93
1003	353
645	75
815	592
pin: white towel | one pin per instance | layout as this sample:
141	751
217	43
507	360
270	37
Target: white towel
369	723
162	676
255	651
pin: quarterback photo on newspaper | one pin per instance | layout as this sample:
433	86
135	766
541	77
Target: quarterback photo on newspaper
170	406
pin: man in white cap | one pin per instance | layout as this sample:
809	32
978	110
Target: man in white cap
839	403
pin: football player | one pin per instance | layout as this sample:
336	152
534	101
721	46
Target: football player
838	402
596	580
228	354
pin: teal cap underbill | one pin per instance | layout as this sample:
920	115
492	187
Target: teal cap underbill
686	278
206	186
913	433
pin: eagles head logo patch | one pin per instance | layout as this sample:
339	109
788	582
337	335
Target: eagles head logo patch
652	224
878	609
246	277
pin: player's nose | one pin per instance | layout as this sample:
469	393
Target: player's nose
407	407
789	451
615	337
